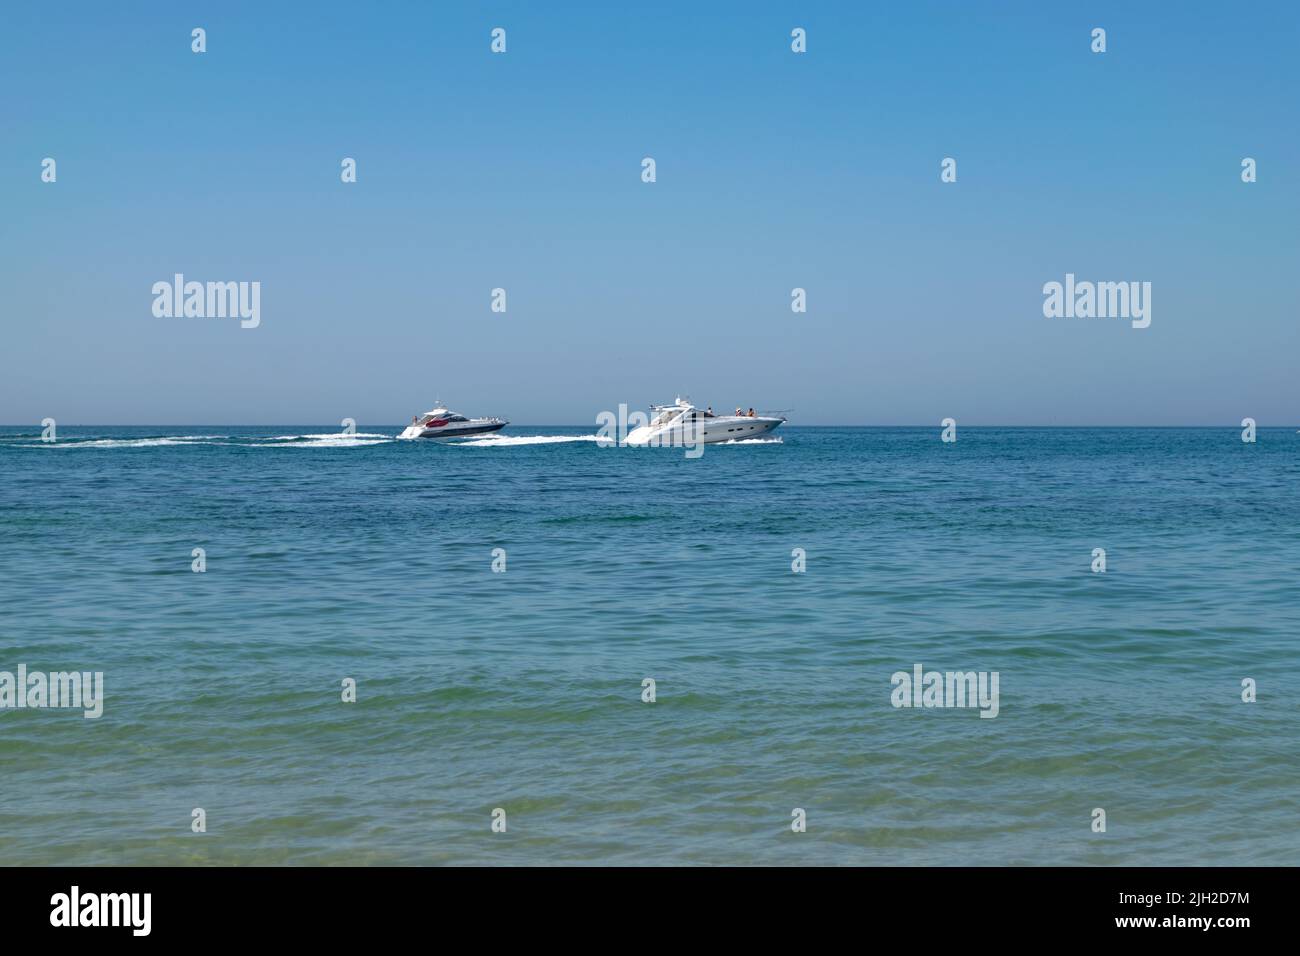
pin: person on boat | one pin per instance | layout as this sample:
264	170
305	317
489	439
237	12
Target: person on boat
708	412
738	412
751	413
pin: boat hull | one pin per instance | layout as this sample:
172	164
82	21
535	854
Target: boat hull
710	431
461	430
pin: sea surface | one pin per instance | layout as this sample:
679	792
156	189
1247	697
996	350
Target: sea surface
331	556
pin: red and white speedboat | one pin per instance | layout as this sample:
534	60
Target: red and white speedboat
441	423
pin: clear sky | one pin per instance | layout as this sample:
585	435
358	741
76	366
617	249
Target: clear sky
775	170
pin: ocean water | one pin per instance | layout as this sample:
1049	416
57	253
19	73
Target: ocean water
332	557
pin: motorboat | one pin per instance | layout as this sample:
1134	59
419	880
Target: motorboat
441	423
681	423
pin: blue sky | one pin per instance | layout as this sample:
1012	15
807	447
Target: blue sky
775	170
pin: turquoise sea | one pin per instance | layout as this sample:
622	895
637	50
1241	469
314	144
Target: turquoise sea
334	557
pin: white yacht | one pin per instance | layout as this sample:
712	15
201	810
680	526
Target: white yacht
681	423
441	423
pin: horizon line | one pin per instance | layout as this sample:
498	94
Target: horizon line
359	425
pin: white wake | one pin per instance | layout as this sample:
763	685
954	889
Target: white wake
506	441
